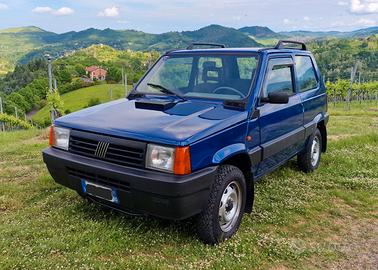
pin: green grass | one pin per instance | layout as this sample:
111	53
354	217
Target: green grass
299	220
79	99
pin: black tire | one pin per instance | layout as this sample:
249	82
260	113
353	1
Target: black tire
208	224
305	158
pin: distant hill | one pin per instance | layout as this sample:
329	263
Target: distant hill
220	34
20	45
15	43
259	32
310	35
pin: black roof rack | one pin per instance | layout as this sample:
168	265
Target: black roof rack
282	42
191	46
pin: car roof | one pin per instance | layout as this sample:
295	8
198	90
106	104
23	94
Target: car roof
237	50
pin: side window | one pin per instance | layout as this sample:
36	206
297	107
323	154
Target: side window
279	77
306	73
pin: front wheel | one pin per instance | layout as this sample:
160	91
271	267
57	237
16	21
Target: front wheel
222	215
309	159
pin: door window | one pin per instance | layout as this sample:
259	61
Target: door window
280	77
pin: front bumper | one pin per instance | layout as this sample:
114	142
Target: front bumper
140	191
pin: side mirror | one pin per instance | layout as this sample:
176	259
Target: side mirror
276	98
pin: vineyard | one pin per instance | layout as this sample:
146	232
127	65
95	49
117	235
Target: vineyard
338	91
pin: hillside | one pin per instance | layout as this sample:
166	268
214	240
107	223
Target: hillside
23	44
16	42
335	57
20	45
81	98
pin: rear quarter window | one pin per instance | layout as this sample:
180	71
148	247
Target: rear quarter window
307	79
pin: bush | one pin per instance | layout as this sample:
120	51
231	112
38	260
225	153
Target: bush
15	122
93	102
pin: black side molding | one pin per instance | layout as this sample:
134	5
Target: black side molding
277	145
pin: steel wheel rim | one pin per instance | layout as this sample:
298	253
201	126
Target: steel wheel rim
229	206
315	151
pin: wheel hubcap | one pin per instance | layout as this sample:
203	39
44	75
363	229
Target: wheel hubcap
315	151
229	206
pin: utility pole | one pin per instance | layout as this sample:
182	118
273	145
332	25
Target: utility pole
1	111
111	94
352	75
125	84
123	74
49	69
16	111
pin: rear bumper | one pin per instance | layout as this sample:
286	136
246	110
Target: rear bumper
139	191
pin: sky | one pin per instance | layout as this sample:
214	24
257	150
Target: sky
158	16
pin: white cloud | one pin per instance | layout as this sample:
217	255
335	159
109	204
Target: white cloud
306	18
42	10
286	21
363	22
109	12
3	6
364	6
366	22
63	11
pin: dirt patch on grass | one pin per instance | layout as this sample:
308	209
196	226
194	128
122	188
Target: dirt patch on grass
353	238
358	246
339	137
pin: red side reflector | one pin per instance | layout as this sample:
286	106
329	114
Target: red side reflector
182	161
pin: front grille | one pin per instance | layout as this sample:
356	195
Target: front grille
99	179
111	149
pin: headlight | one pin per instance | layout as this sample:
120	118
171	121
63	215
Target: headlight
160	157
170	159
59	137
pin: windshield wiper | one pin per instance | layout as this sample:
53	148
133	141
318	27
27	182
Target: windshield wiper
165	90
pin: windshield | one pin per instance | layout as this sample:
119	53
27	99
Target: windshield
217	76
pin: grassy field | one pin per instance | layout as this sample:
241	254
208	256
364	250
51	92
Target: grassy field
327	219
79	99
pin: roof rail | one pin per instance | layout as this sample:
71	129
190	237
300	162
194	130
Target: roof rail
191	46
282	42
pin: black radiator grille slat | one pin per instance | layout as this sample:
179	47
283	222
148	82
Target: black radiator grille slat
119	151
99	179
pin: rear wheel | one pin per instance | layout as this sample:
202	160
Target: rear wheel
222	215
309	159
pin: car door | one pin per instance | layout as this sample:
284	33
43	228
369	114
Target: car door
281	125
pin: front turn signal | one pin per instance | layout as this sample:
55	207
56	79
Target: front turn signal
182	161
52	136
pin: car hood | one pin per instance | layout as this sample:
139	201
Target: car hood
182	124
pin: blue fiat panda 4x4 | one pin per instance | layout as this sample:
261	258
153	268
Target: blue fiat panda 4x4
198	129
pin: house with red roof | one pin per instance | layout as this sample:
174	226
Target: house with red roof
96	73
